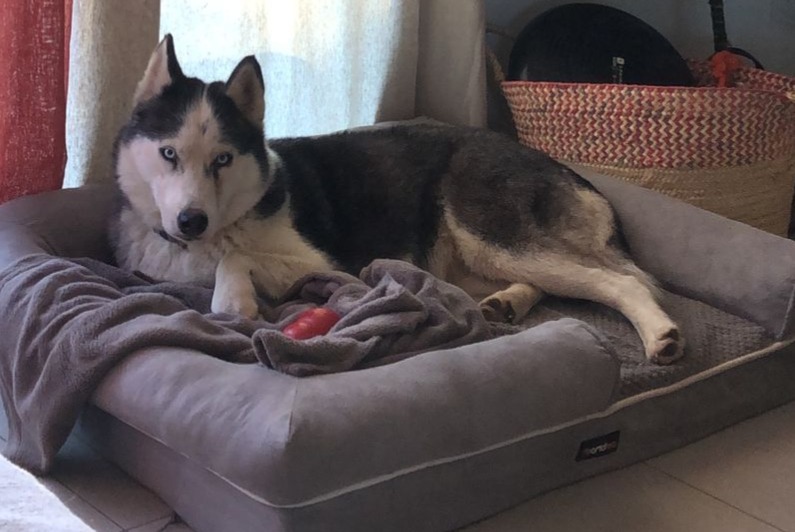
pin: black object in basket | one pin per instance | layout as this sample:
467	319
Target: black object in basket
592	43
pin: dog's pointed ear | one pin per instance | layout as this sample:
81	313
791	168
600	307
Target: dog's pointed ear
162	70
247	89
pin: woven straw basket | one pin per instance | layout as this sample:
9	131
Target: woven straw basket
727	150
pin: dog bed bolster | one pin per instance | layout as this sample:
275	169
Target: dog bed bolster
264	435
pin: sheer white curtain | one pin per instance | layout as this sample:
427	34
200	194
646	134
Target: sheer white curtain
110	46
333	64
328	64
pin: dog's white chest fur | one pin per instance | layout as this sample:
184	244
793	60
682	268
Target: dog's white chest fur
141	249
272	244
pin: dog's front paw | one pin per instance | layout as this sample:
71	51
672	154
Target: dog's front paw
240	302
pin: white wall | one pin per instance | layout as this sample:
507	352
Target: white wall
765	28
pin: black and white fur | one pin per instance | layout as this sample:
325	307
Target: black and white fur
207	200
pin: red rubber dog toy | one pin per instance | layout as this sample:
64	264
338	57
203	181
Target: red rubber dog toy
310	323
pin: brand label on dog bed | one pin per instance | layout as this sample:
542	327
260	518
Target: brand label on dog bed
600	446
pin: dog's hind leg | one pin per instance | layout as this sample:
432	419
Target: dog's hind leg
512	304
519	217
500	300
607	278
624	292
573	277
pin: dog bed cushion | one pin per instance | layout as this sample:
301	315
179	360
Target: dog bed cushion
449	436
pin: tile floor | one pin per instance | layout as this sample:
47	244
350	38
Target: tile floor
739	480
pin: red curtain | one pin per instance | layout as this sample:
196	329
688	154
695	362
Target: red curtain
34	57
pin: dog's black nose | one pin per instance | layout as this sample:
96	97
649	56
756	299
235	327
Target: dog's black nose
192	222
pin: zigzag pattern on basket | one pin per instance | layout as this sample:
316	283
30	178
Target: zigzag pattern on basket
730	150
653	126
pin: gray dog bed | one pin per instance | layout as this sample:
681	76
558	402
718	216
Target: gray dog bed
449	436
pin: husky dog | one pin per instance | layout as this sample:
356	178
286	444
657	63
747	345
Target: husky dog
207	200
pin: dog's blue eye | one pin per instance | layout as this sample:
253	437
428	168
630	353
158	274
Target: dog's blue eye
223	159
168	153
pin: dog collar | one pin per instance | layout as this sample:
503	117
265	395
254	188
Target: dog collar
168	238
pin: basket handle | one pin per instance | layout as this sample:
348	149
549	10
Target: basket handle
491	58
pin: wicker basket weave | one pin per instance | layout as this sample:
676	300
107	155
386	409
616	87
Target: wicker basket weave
727	150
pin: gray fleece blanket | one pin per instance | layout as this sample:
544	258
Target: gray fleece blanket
65	323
